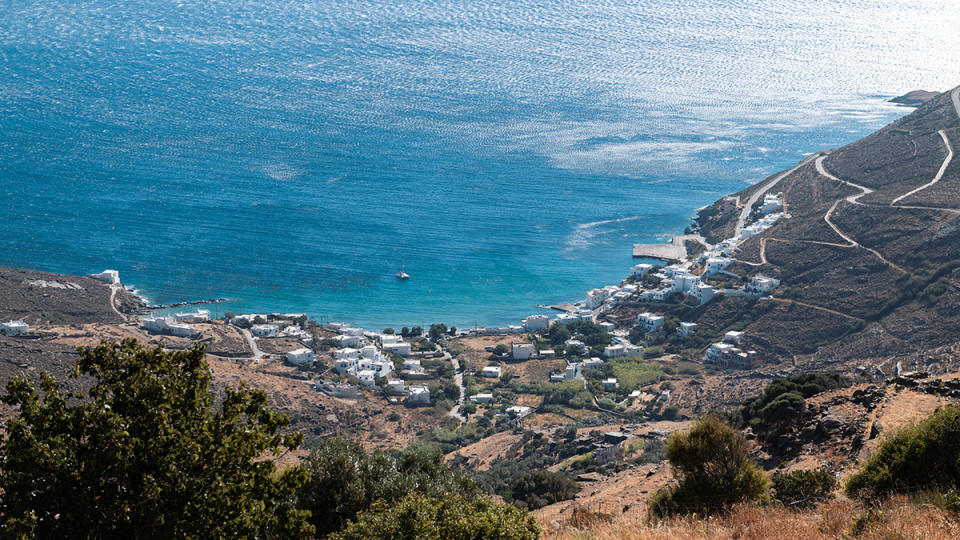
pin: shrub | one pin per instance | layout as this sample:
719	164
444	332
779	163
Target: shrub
802	489
924	455
345	480
713	471
671	412
146	450
416	517
540	488
782	402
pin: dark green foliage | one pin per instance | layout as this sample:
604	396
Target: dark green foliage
926	455
418	517
540	488
389	331
437	330
501	349
782	402
345	480
926	287
671	412
558	334
713	468
802	489
146	452
590	333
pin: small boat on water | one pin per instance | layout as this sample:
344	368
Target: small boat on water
402	275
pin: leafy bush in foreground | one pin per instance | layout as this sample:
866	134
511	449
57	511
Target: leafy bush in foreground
147	452
713	469
345	480
802	489
926	455
417	517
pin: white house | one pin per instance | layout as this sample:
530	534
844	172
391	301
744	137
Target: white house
607	326
348	341
716	264
762	285
381	367
683	282
337	326
402	348
418	395
350	331
610	383
14	328
519	411
344	366
166	325
301	357
595	298
412	365
340	390
640	270
200	315
481	398
110	277
575	346
348	353
585	315
771	203
592	363
265	330
573	371
557	377
733	337
367	377
655	295
650	322
390	338
493	372
396	386
703	293
727	355
567	318
686	328
621	350
536	322
522	351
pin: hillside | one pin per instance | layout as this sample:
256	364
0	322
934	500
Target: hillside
868	254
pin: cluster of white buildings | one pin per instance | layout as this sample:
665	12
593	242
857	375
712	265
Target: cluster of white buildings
14	328
676	279
728	354
622	350
167	325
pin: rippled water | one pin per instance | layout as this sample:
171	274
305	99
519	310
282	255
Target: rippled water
294	155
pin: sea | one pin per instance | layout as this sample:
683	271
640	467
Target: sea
293	156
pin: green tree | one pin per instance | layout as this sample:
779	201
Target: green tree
558	334
345	480
437	330
145	453
802	489
713	468
419	517
501	349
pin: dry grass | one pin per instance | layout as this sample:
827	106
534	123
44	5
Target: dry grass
897	519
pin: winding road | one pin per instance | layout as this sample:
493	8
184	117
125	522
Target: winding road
113	304
257	353
457	378
748	206
943	168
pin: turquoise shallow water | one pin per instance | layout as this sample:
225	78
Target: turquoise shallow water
507	153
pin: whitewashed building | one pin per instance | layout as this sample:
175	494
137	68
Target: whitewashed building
575	346
167	325
610	383
715	264
481	398
573	371
771	203
621	350
702	293
492	372
592	363
265	330
198	316
762	285
522	351
418	395
367	377
536	322
650	322
686	328
14	328
640	270
402	348
301	357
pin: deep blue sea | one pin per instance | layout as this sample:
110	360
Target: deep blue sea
293	155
